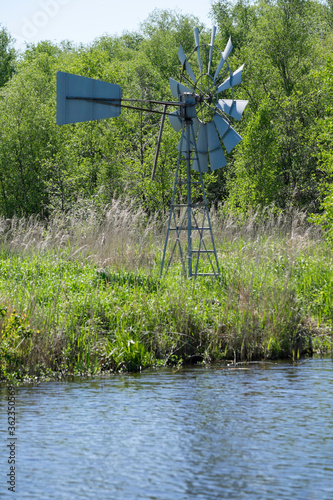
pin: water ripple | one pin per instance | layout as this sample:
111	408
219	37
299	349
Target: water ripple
199	433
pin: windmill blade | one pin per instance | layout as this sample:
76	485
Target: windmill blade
216	155
232	107
196	126
182	145
178	88
217	159
231	139
175	121
229	136
72	90
183	59
221	124
212	40
200	160
224	57
234	79
197	47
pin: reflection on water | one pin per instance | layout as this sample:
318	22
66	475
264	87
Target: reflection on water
199	433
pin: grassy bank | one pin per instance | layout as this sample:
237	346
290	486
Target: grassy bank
83	294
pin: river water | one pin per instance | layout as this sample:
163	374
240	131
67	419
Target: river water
196	433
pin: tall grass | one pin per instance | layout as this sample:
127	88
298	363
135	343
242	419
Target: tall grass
82	293
118	235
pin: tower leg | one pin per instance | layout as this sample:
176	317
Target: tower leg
189	199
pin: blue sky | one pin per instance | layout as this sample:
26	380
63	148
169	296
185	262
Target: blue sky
84	20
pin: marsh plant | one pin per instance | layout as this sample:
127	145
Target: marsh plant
82	293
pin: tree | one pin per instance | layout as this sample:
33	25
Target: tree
7	56
26	137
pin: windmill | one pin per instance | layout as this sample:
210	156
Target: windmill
202	116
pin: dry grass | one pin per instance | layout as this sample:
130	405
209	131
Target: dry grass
118	235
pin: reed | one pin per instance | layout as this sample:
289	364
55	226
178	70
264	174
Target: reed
82	293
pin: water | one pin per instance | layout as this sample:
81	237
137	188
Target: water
198	433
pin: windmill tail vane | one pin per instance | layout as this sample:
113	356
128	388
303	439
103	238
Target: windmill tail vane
203	116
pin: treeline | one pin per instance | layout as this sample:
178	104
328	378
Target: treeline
284	159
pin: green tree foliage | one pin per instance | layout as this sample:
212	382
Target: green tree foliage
163	32
7	56
325	141
27	130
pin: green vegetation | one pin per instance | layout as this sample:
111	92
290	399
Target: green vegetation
285	155
7	57
79	266
83	294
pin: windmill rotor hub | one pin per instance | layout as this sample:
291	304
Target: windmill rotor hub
189	100
207	97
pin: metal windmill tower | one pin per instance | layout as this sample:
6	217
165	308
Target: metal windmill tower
203	117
